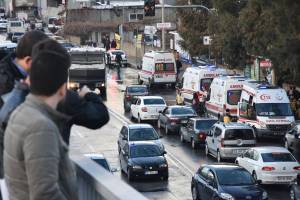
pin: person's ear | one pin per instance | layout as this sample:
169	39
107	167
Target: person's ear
28	62
62	90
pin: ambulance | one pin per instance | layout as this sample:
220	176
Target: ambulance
266	108
158	67
198	80
224	94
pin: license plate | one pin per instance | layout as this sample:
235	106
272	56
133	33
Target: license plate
151	172
238	151
284	178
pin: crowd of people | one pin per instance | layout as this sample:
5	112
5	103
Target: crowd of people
37	112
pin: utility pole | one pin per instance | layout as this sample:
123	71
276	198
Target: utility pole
163	29
121	31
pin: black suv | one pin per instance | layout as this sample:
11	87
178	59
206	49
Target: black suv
130	94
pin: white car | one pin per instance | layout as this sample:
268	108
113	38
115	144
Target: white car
3	24
111	57
147	108
270	165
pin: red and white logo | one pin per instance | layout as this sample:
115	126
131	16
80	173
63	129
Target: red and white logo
265	97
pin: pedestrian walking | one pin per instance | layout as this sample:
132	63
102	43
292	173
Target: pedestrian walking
196	103
113	44
119	65
36	160
179	98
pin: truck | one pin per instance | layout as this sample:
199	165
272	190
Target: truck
88	68
266	108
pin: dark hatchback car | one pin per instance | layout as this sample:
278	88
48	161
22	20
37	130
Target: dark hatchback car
195	130
295	189
143	159
130	94
172	117
225	182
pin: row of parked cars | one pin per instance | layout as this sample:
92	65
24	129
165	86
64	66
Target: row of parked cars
234	141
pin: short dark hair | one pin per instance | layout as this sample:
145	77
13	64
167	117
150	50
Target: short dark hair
49	71
27	42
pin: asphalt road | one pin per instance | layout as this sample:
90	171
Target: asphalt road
182	153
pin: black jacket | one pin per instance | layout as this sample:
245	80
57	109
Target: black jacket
8	74
89	112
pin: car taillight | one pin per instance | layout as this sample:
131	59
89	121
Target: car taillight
174	119
222	142
202	136
267	168
297	168
144	109
128	97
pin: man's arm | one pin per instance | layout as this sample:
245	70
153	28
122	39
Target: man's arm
6	84
42	156
88	111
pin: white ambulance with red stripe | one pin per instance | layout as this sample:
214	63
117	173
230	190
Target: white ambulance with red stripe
158	67
198	80
224	94
266	108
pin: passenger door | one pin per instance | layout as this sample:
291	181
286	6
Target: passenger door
123	138
216	140
210	187
209	138
191	131
135	107
290	137
124	157
164	116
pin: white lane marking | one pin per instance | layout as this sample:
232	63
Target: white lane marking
170	155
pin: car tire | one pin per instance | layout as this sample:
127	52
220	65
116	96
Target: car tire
254	175
292	194
195	193
194	144
129	175
158	124
219	159
139	119
181	137
206	150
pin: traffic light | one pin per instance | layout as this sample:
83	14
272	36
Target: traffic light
149	7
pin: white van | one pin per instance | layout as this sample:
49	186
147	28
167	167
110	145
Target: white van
224	94
158	67
266	108
16	26
198	80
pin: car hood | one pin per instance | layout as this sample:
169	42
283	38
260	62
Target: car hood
145	161
247	192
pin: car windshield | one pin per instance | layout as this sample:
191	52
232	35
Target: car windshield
18	34
142	134
102	162
233	96
235	134
234	177
273	109
144	151
182	111
154	102
277	157
137	89
205	124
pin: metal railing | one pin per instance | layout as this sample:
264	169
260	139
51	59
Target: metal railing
94	183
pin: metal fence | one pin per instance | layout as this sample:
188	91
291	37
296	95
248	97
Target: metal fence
95	183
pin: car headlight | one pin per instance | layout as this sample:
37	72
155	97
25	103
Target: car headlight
165	165
264	195
73	85
136	167
226	196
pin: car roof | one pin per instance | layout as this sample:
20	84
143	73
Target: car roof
137	126
141	143
177	106
217	166
234	125
203	118
270	149
151	97
144	86
95	155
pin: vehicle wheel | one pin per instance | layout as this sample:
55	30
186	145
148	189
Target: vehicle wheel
166	129
181	137
219	159
139	119
292	194
129	175
254	175
194	193
158	124
194	144
206	150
